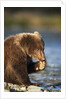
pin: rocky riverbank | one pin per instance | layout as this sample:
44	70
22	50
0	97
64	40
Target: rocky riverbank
9	87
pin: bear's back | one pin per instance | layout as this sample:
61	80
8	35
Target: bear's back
8	41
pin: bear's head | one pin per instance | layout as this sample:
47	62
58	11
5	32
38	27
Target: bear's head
33	45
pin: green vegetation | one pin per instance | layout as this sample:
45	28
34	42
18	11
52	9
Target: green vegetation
27	19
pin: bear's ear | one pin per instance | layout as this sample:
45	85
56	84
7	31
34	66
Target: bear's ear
37	33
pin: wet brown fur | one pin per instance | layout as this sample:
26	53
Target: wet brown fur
18	51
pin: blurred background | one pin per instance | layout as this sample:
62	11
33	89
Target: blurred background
47	21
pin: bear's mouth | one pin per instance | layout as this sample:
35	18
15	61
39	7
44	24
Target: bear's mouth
42	60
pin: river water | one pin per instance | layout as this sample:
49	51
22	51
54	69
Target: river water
50	77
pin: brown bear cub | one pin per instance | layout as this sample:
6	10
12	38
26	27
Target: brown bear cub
18	53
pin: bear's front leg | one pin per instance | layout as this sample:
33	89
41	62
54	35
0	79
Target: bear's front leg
21	74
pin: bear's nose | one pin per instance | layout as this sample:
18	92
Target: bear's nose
44	60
